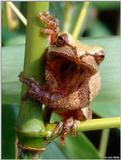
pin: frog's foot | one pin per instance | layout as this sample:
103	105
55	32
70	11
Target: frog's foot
49	20
34	87
52	25
66	126
30	82
36	91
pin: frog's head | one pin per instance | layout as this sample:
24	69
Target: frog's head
77	52
75	58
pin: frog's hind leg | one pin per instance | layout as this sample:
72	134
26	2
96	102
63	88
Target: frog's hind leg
70	122
66	126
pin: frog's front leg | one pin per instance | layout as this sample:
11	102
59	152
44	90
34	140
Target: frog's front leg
30	82
52	28
50	21
35	90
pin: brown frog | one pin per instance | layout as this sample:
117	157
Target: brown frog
72	78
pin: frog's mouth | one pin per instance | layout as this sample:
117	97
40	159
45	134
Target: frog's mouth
68	54
69	72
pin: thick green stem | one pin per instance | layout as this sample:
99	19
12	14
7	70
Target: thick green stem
30	119
88	125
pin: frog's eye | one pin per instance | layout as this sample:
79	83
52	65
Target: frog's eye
99	56
62	40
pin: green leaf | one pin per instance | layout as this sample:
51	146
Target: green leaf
53	152
12	65
98	29
55	8
107	102
79	147
12	37
106	5
9	115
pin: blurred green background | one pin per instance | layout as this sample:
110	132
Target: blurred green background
101	27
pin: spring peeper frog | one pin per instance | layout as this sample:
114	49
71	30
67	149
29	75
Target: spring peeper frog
72	78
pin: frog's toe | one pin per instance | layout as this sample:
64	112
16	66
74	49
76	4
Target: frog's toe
74	127
30	82
65	127
26	81
58	129
70	126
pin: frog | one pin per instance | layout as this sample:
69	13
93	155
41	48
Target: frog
72	78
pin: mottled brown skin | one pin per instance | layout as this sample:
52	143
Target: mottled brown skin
72	78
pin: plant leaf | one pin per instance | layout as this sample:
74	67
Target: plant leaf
79	147
75	147
53	152
9	115
12	38
106	5
12	65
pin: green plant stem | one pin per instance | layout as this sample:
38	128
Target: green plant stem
102	123
94	124
30	117
104	142
80	20
88	125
